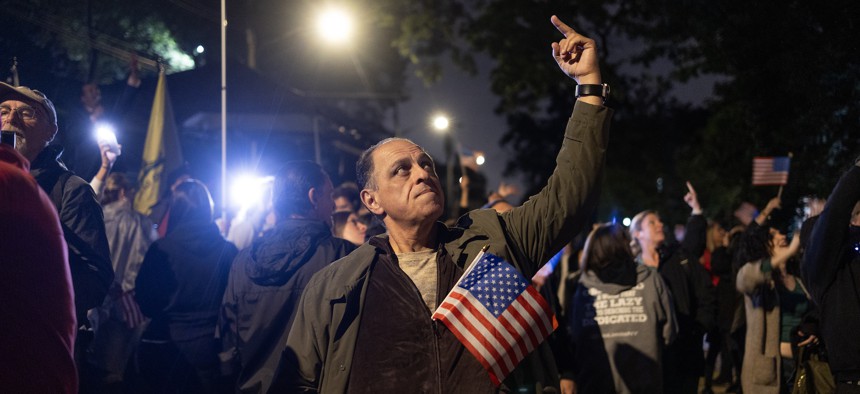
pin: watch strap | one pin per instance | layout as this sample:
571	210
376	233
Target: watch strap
601	90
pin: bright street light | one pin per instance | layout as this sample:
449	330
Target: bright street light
335	26
480	160
441	122
249	190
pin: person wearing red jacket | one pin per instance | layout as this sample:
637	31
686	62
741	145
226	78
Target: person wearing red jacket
38	313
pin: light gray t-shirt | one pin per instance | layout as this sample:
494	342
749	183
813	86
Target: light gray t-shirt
421	268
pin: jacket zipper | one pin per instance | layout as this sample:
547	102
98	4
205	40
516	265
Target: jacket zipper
433	325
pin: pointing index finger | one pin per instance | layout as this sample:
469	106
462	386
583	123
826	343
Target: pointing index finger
563	28
690	188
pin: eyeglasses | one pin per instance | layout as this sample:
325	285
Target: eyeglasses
26	113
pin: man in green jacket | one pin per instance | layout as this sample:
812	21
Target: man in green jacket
364	324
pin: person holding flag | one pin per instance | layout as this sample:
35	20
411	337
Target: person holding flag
364	323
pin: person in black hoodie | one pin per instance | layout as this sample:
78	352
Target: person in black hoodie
691	289
831	267
267	279
180	286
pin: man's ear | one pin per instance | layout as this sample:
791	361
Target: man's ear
313	197
368	198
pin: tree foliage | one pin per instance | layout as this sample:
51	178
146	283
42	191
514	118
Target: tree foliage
787	83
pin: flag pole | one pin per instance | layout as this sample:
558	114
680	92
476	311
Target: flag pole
467	271
224	223
475	260
779	194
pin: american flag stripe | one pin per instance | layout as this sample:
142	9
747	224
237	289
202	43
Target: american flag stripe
538	324
481	352
502	336
515	329
533	305
131	313
497	357
522	317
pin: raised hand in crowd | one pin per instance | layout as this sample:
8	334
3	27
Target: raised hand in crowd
773	203
692	199
109	153
576	55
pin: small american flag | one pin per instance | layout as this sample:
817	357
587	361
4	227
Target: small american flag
770	170
129	310
497	315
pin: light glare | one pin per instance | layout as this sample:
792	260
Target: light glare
105	133
335	26
441	122
249	190
480	160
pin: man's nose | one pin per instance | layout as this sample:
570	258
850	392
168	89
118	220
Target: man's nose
422	174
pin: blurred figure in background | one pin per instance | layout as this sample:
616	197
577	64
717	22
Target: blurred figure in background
775	301
690	285
267	279
348	226
118	322
619	319
180	287
718	261
346	198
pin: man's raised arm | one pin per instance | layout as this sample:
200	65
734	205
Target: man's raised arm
542	225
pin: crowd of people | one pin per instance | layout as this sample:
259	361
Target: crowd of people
331	289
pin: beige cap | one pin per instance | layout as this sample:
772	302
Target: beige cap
23	93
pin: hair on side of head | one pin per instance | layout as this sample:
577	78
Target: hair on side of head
607	244
291	186
364	165
190	202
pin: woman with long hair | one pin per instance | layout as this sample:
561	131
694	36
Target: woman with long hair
776	302
619	318
690	285
180	286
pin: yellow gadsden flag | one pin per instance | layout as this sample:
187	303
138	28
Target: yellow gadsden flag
161	152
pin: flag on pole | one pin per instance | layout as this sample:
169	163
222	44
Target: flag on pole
161	151
497	315
770	170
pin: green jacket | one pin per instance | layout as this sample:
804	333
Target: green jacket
320	345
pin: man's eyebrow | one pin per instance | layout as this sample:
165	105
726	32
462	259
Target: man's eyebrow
400	162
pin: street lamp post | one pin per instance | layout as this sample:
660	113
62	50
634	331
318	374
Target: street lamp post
443	125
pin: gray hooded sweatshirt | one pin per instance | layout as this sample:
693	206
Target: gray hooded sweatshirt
618	333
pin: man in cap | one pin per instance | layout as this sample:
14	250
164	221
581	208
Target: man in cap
31	116
364	322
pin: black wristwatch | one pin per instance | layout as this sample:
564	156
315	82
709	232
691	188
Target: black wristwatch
601	90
